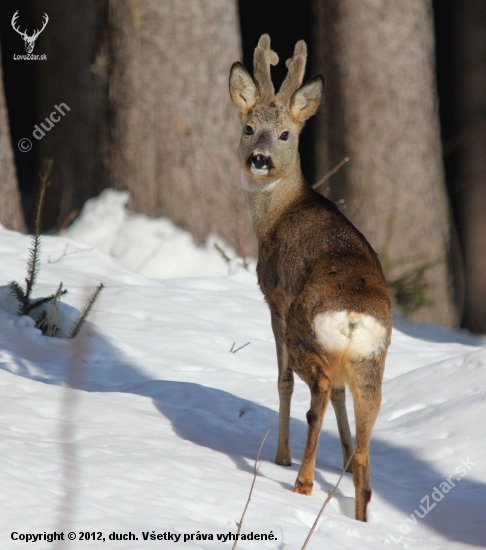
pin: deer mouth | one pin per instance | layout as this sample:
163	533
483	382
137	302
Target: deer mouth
260	165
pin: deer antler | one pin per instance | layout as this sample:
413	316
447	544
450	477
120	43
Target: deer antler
295	74
263	57
36	33
14	21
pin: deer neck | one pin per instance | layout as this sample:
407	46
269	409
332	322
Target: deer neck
268	200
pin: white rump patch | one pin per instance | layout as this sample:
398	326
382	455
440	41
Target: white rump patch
349	331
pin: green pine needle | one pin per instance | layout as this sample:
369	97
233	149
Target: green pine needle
19	293
410	290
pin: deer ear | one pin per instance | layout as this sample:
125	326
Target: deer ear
242	88
305	101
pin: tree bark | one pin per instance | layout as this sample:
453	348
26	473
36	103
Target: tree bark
470	24
170	133
381	111
11	215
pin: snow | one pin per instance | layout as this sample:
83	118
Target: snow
162	431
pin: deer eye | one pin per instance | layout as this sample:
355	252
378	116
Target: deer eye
284	136
249	130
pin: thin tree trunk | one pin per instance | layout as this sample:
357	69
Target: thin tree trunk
170	133
65	80
470	23
381	111
11	215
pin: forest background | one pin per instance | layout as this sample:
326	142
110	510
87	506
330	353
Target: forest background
148	110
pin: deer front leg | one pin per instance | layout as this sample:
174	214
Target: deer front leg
320	391
285	389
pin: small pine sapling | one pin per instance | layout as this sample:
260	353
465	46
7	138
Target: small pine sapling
48	320
26	305
410	289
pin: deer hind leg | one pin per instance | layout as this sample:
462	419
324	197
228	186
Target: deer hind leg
338	400
320	388
366	389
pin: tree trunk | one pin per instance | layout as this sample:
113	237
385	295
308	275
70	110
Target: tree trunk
470	23
381	111
11	215
170	133
65	80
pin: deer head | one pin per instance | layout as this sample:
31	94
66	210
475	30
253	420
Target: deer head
272	122
29	40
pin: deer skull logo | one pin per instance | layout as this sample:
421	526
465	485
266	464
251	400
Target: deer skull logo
29	40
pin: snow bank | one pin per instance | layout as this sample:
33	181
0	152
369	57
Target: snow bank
161	434
153	247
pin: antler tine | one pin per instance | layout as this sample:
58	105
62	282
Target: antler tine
295	74
263	57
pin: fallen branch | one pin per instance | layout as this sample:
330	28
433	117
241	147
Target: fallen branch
329	497
255	472
241	347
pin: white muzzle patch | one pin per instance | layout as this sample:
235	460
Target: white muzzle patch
258	171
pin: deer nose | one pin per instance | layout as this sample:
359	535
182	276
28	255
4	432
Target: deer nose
261	161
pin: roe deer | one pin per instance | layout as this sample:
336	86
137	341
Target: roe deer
329	304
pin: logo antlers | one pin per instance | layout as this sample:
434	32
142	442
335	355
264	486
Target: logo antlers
29	40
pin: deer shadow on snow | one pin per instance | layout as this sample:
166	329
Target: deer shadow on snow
228	424
234	426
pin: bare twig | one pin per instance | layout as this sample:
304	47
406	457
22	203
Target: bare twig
244	346
146	259
74	214
85	311
329	174
231	350
66	253
256	467
329	497
222	253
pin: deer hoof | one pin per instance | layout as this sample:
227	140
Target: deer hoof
303	487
